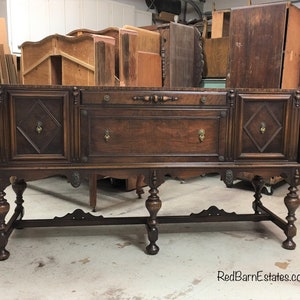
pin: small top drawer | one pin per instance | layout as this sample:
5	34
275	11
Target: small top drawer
197	97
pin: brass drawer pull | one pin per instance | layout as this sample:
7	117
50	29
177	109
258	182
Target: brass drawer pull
39	127
155	98
262	128
201	134
106	135
106	98
203	100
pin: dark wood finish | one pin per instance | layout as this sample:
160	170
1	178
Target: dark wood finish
263	48
147	133
182	55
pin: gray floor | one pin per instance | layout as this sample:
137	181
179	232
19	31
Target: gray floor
110	263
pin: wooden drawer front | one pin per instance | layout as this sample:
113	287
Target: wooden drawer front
153	97
38	125
153	135
263	129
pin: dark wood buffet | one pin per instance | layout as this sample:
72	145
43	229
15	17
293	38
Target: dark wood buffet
119	132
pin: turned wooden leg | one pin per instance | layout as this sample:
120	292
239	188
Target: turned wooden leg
258	184
139	185
19	187
153	205
93	191
4	209
292	202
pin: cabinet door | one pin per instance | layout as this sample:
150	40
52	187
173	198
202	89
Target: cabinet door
148	134
263	130
256	44
39	124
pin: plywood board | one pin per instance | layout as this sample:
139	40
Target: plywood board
104	63
4	76
3	36
148	41
256	46
216	52
149	69
181	55
128	58
220	23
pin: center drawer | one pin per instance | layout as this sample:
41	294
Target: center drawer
147	135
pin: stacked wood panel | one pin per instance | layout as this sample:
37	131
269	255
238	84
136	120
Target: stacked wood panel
84	57
8	62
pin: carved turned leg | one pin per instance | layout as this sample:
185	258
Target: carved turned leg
292	202
153	205
93	191
19	186
258	184
4	209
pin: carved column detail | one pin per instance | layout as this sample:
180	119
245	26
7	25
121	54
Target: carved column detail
258	184
4	209
153	205
19	186
292	202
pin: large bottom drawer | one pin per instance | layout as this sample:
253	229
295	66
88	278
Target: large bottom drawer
146	135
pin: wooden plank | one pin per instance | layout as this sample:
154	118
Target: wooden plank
216	53
291	66
12	69
181	55
104	64
3	66
220	23
3	36
256	46
128	57
149	69
148	41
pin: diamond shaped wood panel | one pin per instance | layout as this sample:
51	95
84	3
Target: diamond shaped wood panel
38	125
263	126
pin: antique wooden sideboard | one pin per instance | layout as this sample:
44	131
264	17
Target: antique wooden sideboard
82	131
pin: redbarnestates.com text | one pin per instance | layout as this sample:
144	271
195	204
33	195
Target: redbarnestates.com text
258	276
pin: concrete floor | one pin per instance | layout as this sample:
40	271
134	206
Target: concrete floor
108	262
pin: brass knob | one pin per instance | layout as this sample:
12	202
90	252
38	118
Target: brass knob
39	127
201	134
203	100
106	135
106	98
262	128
